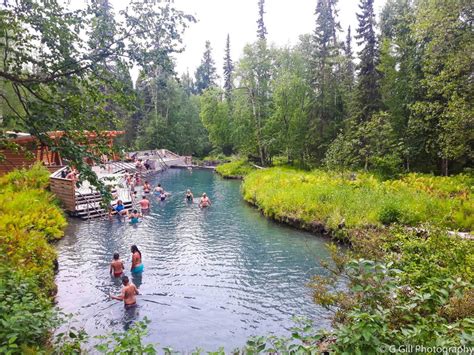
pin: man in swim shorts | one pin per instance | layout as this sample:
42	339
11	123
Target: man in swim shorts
205	201
116	266
128	294
144	204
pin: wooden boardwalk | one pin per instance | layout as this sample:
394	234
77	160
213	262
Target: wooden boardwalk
86	202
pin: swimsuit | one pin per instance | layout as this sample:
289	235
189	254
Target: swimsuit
118	274
138	269
134	220
130	305
189	197
162	197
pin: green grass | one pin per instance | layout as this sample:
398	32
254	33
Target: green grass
235	169
319	196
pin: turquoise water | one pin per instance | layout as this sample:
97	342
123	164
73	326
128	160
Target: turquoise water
212	277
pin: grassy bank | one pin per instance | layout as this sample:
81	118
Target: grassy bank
404	286
29	220
320	199
235	169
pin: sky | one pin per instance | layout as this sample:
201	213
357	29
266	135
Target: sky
285	21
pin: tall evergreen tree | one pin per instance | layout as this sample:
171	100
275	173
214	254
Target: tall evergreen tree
327	108
261	29
206	72
228	71
348	61
187	83
368	99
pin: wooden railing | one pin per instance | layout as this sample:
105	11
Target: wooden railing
64	189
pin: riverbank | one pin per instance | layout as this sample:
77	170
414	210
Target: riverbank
29	221
409	281
328	203
236	169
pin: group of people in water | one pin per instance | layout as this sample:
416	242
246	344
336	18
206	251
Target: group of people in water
144	203
117	269
117	266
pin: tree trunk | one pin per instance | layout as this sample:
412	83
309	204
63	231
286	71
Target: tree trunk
444	166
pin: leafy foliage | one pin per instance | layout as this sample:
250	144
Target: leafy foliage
129	342
29	218
417	291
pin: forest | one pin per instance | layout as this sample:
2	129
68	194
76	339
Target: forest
402	102
339	134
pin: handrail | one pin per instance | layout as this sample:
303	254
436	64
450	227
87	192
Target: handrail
88	205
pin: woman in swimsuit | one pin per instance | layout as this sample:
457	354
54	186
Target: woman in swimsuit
162	196
137	265
189	196
134	217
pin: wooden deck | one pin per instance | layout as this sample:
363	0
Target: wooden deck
86	202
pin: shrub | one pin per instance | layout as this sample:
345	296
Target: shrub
29	218
420	294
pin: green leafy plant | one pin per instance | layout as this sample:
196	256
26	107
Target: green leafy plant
130	342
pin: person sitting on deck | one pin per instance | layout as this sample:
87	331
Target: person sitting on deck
137	265
65	172
72	175
189	196
134	217
205	201
119	208
128	294
116	266
146	187
144	204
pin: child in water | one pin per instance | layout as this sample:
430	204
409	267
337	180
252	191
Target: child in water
128	294
116	266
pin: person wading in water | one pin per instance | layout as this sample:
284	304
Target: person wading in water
137	265
205	201
128	294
